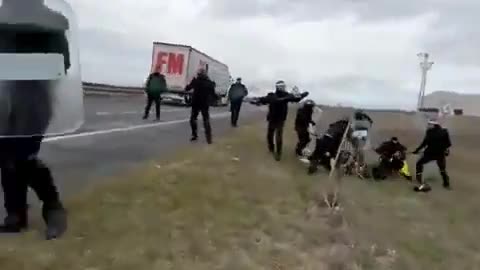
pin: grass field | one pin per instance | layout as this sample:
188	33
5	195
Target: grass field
231	206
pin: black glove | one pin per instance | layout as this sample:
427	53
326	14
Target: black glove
447	152
415	152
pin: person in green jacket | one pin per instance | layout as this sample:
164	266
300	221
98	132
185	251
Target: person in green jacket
155	86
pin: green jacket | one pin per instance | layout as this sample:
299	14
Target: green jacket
156	85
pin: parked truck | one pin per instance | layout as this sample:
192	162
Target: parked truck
180	64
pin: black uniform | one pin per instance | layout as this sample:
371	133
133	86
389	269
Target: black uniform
327	146
360	116
236	94
203	95
392	156
277	115
436	143
302	121
31	113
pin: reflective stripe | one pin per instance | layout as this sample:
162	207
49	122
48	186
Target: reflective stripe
31	66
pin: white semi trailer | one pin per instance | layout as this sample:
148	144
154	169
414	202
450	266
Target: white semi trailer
180	64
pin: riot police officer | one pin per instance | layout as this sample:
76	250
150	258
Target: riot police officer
437	147
29	27
277	115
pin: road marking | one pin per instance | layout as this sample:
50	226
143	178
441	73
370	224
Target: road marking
136	112
108	131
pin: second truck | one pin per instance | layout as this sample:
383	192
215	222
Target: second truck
180	64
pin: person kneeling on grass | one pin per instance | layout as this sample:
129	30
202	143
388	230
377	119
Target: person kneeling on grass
392	160
327	146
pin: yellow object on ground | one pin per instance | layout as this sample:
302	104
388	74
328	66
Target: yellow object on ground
404	171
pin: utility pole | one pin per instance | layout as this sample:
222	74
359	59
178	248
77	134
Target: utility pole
425	66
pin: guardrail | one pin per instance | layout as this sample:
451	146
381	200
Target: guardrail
103	89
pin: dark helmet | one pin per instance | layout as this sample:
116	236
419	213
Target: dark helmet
309	103
359	112
433	123
280	86
202	72
394	139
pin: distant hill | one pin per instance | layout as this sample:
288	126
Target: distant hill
470	103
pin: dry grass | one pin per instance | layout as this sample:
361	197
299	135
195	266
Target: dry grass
230	206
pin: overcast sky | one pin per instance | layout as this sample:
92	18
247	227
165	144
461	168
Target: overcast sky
356	52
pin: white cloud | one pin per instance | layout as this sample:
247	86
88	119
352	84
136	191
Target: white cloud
350	54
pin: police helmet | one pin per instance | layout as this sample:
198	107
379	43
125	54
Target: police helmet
309	103
202	71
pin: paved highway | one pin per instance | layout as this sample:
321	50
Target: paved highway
115	139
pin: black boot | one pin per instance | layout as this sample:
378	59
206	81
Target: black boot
298	151
446	180
194	138
313	168
271	148
55	217
421	187
14	223
418	177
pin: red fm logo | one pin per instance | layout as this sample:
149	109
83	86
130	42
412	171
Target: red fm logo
169	63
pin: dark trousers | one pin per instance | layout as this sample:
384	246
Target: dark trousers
235	106
323	145
17	176
318	157
387	167
205	111
303	140
275	136
152	99
441	163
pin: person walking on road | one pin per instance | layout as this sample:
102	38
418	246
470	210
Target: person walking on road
277	115
203	95
236	94
155	86
437	147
